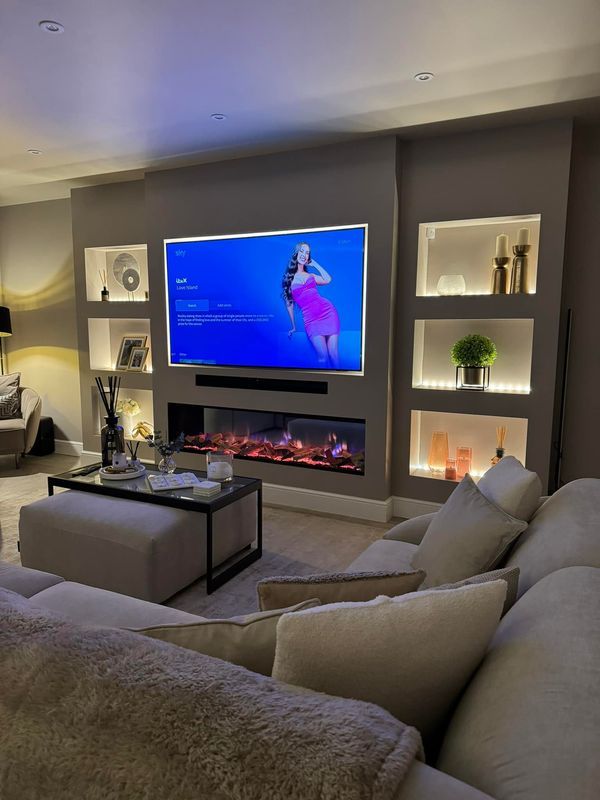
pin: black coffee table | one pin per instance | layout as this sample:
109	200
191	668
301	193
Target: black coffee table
87	479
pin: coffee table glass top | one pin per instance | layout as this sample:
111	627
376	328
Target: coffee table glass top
141	485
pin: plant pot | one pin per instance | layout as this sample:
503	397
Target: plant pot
473	378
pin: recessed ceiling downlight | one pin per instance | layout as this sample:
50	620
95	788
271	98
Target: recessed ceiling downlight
51	26
33	151
423	77
218	117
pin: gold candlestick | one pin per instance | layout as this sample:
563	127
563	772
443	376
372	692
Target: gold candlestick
519	276
500	275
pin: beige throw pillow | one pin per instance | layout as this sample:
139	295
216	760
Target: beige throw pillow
412	654
349	587
513	488
468	536
508	574
248	641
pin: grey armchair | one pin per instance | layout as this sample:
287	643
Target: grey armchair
18	435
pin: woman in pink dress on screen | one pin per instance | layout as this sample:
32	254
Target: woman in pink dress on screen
320	317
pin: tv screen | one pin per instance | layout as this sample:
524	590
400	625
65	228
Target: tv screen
289	299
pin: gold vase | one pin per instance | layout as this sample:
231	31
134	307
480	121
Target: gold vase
438	452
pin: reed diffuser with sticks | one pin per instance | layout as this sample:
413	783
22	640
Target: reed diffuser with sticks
104	294
112	439
500	437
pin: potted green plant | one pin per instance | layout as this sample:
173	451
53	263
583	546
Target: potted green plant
473	355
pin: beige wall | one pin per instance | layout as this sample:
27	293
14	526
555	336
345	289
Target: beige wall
36	277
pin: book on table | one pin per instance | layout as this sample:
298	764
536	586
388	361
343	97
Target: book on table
183	480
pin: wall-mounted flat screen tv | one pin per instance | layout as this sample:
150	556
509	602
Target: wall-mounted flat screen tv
287	299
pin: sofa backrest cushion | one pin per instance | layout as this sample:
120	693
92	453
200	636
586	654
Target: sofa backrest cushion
467	536
508	574
564	532
527	725
513	488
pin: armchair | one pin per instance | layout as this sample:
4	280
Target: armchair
18	435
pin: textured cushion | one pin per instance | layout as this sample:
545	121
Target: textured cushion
410	654
335	587
508	574
10	403
385	555
469	535
90	606
564	532
25	582
248	641
513	488
527	726
411	530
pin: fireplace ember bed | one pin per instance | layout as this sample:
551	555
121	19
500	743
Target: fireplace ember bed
300	440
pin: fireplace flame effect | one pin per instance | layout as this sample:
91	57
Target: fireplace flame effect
334	455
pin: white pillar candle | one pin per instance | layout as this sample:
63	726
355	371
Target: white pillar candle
219	470
502	245
523	236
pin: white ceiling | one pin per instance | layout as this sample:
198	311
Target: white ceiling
131	84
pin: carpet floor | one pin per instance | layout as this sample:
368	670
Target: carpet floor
294	542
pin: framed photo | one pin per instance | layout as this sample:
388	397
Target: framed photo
137	359
127	345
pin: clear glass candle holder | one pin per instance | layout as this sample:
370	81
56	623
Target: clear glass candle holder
219	466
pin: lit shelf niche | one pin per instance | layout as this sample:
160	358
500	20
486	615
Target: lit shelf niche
106	336
466	247
433	339
118	264
144	399
477	431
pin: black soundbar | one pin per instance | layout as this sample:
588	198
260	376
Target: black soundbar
262	384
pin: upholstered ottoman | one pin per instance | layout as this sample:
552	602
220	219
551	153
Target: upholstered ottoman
135	548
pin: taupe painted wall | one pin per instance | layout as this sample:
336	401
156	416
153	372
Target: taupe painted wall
582	295
36	272
342	185
502	172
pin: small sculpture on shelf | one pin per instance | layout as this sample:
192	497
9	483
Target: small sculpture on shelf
451	285
519	275
500	260
473	355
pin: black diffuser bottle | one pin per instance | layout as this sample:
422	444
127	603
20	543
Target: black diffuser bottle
112	439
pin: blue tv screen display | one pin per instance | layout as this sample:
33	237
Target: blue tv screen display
289	300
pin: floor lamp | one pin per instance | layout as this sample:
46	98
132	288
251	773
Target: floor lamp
5	330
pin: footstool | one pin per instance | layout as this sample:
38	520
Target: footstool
138	549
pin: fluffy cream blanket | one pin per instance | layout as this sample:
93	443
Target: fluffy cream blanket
102	714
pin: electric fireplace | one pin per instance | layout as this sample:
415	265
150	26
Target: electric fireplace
300	440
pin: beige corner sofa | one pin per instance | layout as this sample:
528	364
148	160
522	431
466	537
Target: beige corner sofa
528	723
17	435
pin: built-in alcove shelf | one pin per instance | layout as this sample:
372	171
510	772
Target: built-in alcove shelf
477	431
126	270
433	339
466	247
106	338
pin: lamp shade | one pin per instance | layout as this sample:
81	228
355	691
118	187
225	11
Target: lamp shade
5	326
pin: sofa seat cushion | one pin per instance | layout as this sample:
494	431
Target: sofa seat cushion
90	606
426	783
513	488
25	582
527	725
467	536
564	532
13	424
385	555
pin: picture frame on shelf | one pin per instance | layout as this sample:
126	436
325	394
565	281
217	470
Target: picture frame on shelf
130	342
137	359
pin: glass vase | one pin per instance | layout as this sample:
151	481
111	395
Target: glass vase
464	459
167	465
112	440
438	452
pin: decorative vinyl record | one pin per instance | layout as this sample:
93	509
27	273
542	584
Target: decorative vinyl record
131	279
123	262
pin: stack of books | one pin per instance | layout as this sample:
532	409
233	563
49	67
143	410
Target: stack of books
207	488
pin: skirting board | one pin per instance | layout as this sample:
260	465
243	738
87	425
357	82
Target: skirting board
68	448
327	502
407	508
